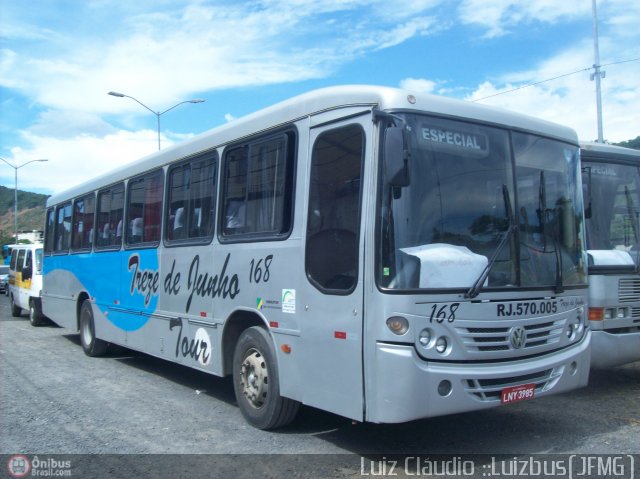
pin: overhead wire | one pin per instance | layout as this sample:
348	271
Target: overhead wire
554	78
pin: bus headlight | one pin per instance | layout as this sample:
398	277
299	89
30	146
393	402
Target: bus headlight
441	345
432	342
425	337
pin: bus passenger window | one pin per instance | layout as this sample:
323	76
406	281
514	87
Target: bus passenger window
82	231
189	214
62	233
144	209
50	223
110	212
258	188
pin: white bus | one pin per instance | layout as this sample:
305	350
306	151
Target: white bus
382	255
611	180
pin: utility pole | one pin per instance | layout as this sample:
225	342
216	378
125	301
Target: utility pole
597	73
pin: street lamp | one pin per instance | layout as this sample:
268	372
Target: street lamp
156	113
15	191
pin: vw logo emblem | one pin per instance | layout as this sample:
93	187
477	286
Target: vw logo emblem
518	337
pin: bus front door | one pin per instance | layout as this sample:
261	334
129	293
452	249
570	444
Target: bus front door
332	318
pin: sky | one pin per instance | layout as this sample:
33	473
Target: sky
60	58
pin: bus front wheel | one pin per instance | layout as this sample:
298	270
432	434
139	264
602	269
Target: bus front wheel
91	345
255	382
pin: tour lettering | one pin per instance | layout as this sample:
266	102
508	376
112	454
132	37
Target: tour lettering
197	348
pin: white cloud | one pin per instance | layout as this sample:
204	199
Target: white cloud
499	16
73	160
207	47
418	85
67	124
571	99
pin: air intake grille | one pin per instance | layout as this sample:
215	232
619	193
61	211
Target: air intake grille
629	290
489	390
499	339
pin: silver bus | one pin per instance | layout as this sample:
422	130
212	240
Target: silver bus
611	181
379	254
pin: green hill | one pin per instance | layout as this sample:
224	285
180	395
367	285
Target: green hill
31	208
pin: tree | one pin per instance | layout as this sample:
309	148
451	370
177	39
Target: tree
635	143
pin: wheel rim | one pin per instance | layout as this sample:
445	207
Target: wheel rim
87	335
254	378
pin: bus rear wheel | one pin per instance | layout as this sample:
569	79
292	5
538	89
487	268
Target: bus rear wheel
91	345
256	384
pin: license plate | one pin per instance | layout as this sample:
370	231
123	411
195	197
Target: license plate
517	393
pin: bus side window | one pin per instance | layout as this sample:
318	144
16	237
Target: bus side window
62	236
257	197
191	190
144	209
333	225
82	231
49	231
110	212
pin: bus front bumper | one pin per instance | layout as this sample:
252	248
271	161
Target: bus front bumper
406	387
610	350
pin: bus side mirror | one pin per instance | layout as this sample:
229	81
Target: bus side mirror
396	157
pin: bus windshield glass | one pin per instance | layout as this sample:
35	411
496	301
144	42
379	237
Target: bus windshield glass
612	194
484	205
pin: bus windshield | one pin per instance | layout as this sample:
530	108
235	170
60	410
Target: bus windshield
485	205
613	195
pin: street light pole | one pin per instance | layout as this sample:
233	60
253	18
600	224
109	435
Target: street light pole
597	74
15	192
156	113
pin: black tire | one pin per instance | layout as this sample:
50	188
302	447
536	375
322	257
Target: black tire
16	311
256	383
35	316
91	345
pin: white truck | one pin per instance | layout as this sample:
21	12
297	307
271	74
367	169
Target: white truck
25	282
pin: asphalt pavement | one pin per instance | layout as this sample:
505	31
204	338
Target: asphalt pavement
56	400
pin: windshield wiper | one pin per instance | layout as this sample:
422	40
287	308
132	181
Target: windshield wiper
475	289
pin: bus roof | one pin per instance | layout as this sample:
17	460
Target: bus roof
591	150
313	103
